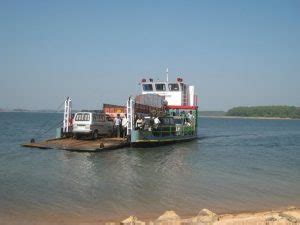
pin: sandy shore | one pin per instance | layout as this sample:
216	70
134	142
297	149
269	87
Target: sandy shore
287	216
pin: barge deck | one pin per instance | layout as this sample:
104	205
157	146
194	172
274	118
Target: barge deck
71	144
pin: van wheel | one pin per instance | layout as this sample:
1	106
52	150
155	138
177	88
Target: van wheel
95	135
76	136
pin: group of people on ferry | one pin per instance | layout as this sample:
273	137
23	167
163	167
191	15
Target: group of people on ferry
120	126
148	122
153	120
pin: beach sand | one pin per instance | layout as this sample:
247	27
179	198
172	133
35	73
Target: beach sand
287	216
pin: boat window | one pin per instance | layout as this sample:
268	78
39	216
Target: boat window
178	121
166	121
82	117
147	87
174	87
160	87
171	121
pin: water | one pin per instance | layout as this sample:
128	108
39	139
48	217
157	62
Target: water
235	165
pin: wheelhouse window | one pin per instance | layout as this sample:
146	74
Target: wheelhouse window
147	87
82	117
160	87
174	87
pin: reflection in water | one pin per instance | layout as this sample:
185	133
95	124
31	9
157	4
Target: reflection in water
234	165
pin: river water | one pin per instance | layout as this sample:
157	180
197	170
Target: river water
234	165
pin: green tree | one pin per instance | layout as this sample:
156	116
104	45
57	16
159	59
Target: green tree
266	111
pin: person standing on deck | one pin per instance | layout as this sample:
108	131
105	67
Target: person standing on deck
190	116
156	122
139	123
118	123
124	126
191	121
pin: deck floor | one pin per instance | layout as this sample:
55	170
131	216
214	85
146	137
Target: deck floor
71	144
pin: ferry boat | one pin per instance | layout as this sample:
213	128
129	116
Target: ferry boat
165	112
168	111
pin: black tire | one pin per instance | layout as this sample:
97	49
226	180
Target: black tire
76	136
95	135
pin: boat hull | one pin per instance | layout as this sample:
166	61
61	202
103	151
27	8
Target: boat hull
148	139
155	143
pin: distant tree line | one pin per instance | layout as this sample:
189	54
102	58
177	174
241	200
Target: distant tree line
266	111
212	113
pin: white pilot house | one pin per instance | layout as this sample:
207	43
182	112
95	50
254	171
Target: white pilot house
177	94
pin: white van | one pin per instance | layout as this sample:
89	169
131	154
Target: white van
92	124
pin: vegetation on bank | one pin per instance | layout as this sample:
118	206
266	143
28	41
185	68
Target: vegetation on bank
292	112
212	113
266	111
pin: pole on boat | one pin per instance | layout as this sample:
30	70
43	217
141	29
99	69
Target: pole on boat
130	115
167	72
67	115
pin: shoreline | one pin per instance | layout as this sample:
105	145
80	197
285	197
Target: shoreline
249	117
288	215
200	116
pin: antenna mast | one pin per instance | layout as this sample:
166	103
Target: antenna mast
167	72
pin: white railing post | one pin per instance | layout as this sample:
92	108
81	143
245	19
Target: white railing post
67	115
130	115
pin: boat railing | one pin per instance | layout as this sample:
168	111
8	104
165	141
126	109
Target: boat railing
162	131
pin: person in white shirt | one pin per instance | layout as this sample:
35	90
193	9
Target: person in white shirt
124	126
190	116
156	122
117	125
139	123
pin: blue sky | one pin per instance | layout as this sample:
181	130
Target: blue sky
235	52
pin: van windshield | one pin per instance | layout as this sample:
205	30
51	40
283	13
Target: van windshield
82	117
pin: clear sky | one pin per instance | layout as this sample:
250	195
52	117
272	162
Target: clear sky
235	52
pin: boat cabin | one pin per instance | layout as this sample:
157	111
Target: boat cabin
176	93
